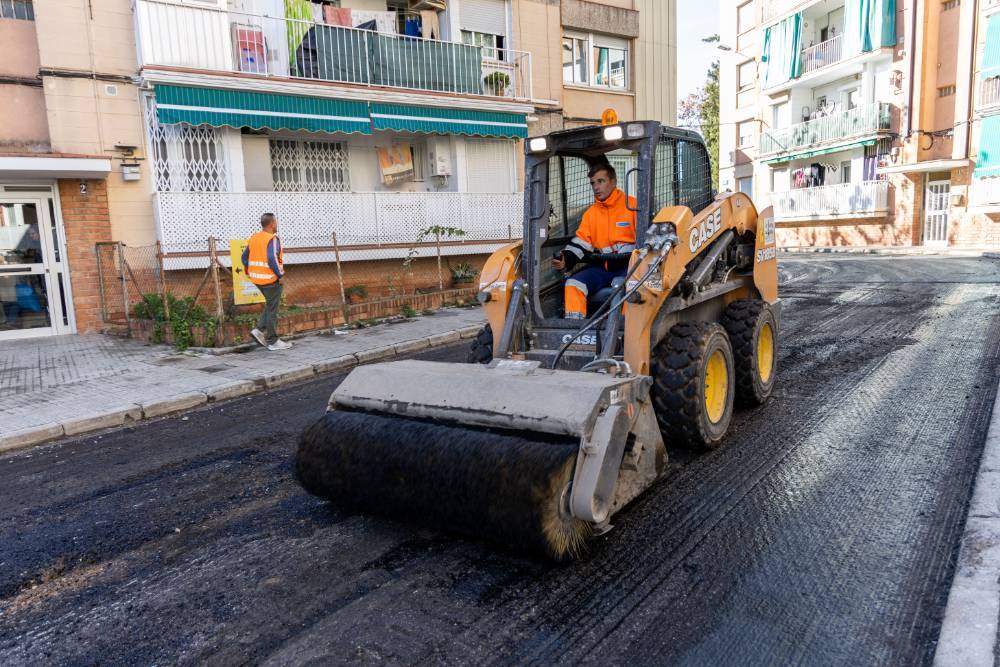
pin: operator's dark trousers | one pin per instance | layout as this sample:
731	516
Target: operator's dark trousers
268	322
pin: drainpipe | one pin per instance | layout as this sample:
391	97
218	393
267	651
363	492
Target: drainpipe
963	126
912	47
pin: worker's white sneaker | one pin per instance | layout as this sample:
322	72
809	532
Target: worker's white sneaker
279	345
258	336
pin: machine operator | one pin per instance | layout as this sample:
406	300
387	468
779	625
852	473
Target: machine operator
608	226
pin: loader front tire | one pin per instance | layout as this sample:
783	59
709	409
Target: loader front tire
481	350
753	332
694	385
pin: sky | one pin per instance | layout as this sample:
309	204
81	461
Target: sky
695	19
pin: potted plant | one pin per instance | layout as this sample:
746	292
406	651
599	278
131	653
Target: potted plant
463	276
497	82
356	293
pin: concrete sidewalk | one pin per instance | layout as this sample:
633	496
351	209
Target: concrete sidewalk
68	385
969	631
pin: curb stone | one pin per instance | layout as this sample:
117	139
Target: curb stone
186	401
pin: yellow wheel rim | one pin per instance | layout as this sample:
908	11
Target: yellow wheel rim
765	353
716	386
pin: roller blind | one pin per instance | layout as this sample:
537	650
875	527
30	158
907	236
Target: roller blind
484	16
490	165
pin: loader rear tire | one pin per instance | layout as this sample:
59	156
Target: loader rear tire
753	332
694	385
481	350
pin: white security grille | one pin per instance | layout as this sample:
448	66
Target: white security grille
309	166
936	212
186	158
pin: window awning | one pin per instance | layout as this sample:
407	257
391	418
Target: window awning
990	66
988	159
240	108
819	151
442	120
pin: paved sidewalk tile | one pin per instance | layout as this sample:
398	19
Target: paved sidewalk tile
68	385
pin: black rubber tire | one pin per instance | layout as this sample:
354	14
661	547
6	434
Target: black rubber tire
481	350
679	364
744	320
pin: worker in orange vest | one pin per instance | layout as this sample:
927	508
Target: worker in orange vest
608	226
264	264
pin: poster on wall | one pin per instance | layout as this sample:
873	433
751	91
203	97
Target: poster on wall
244	291
396	164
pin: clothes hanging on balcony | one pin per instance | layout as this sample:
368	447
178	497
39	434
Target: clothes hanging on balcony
781	56
337	16
431	24
298	14
411	28
868	25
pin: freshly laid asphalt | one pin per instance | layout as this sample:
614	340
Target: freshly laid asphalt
823	531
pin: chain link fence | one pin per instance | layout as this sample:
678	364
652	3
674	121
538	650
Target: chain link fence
191	298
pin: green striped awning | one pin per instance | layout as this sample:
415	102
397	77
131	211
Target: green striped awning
443	120
819	151
988	159
241	108
990	66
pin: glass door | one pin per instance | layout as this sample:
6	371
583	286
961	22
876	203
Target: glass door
27	307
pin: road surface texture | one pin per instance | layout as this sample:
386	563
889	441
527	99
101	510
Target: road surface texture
823	531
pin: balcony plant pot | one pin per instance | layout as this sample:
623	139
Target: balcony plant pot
463	276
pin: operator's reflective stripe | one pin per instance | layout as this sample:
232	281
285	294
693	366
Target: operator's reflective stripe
619	247
583	244
576	251
578	285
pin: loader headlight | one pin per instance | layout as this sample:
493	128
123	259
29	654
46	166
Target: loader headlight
635	130
613	133
538	144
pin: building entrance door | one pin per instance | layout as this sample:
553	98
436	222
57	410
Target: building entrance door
936	213
31	295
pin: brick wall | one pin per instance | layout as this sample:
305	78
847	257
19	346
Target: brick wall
86	221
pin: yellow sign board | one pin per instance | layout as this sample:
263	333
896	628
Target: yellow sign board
244	291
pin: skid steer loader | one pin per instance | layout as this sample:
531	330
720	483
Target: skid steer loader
563	422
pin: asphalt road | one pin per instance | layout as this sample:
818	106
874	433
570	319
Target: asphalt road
823	531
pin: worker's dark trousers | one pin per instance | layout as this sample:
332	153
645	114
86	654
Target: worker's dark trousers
268	322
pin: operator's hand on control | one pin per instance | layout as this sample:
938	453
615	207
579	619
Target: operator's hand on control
558	263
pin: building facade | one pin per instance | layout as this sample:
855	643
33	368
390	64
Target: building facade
864	123
166	122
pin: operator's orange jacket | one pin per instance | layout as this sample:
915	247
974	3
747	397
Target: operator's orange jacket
607	226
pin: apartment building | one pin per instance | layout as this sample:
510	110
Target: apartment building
863	122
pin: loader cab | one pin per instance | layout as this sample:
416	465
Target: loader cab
657	165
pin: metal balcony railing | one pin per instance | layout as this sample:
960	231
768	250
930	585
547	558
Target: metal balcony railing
856	123
213	39
985	192
832	201
989	91
823	54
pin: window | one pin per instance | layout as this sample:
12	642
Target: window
747	73
745	185
309	166
946	91
950	4
744	133
745	19
418	154
574	60
779	180
492	45
853	99
608	61
17	9
845	171
781	115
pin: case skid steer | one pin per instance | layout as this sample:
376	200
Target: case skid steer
565	421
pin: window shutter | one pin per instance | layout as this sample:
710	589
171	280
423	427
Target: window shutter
488	16
490	165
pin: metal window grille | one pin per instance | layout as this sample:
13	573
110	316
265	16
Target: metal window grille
17	9
186	158
309	166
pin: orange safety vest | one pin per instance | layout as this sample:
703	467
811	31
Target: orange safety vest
258	270
609	225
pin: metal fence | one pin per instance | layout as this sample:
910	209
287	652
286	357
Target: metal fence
143	289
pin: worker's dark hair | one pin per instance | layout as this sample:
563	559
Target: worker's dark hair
603	166
266	219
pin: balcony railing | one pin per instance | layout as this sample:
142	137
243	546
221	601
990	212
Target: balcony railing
368	224
989	91
832	201
205	38
857	123
985	192
823	54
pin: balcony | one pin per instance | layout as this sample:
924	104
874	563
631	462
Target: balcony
985	192
368	225
850	200
829	131
823	55
989	92
214	40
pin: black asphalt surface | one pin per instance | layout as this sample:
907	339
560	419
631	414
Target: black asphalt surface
824	531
